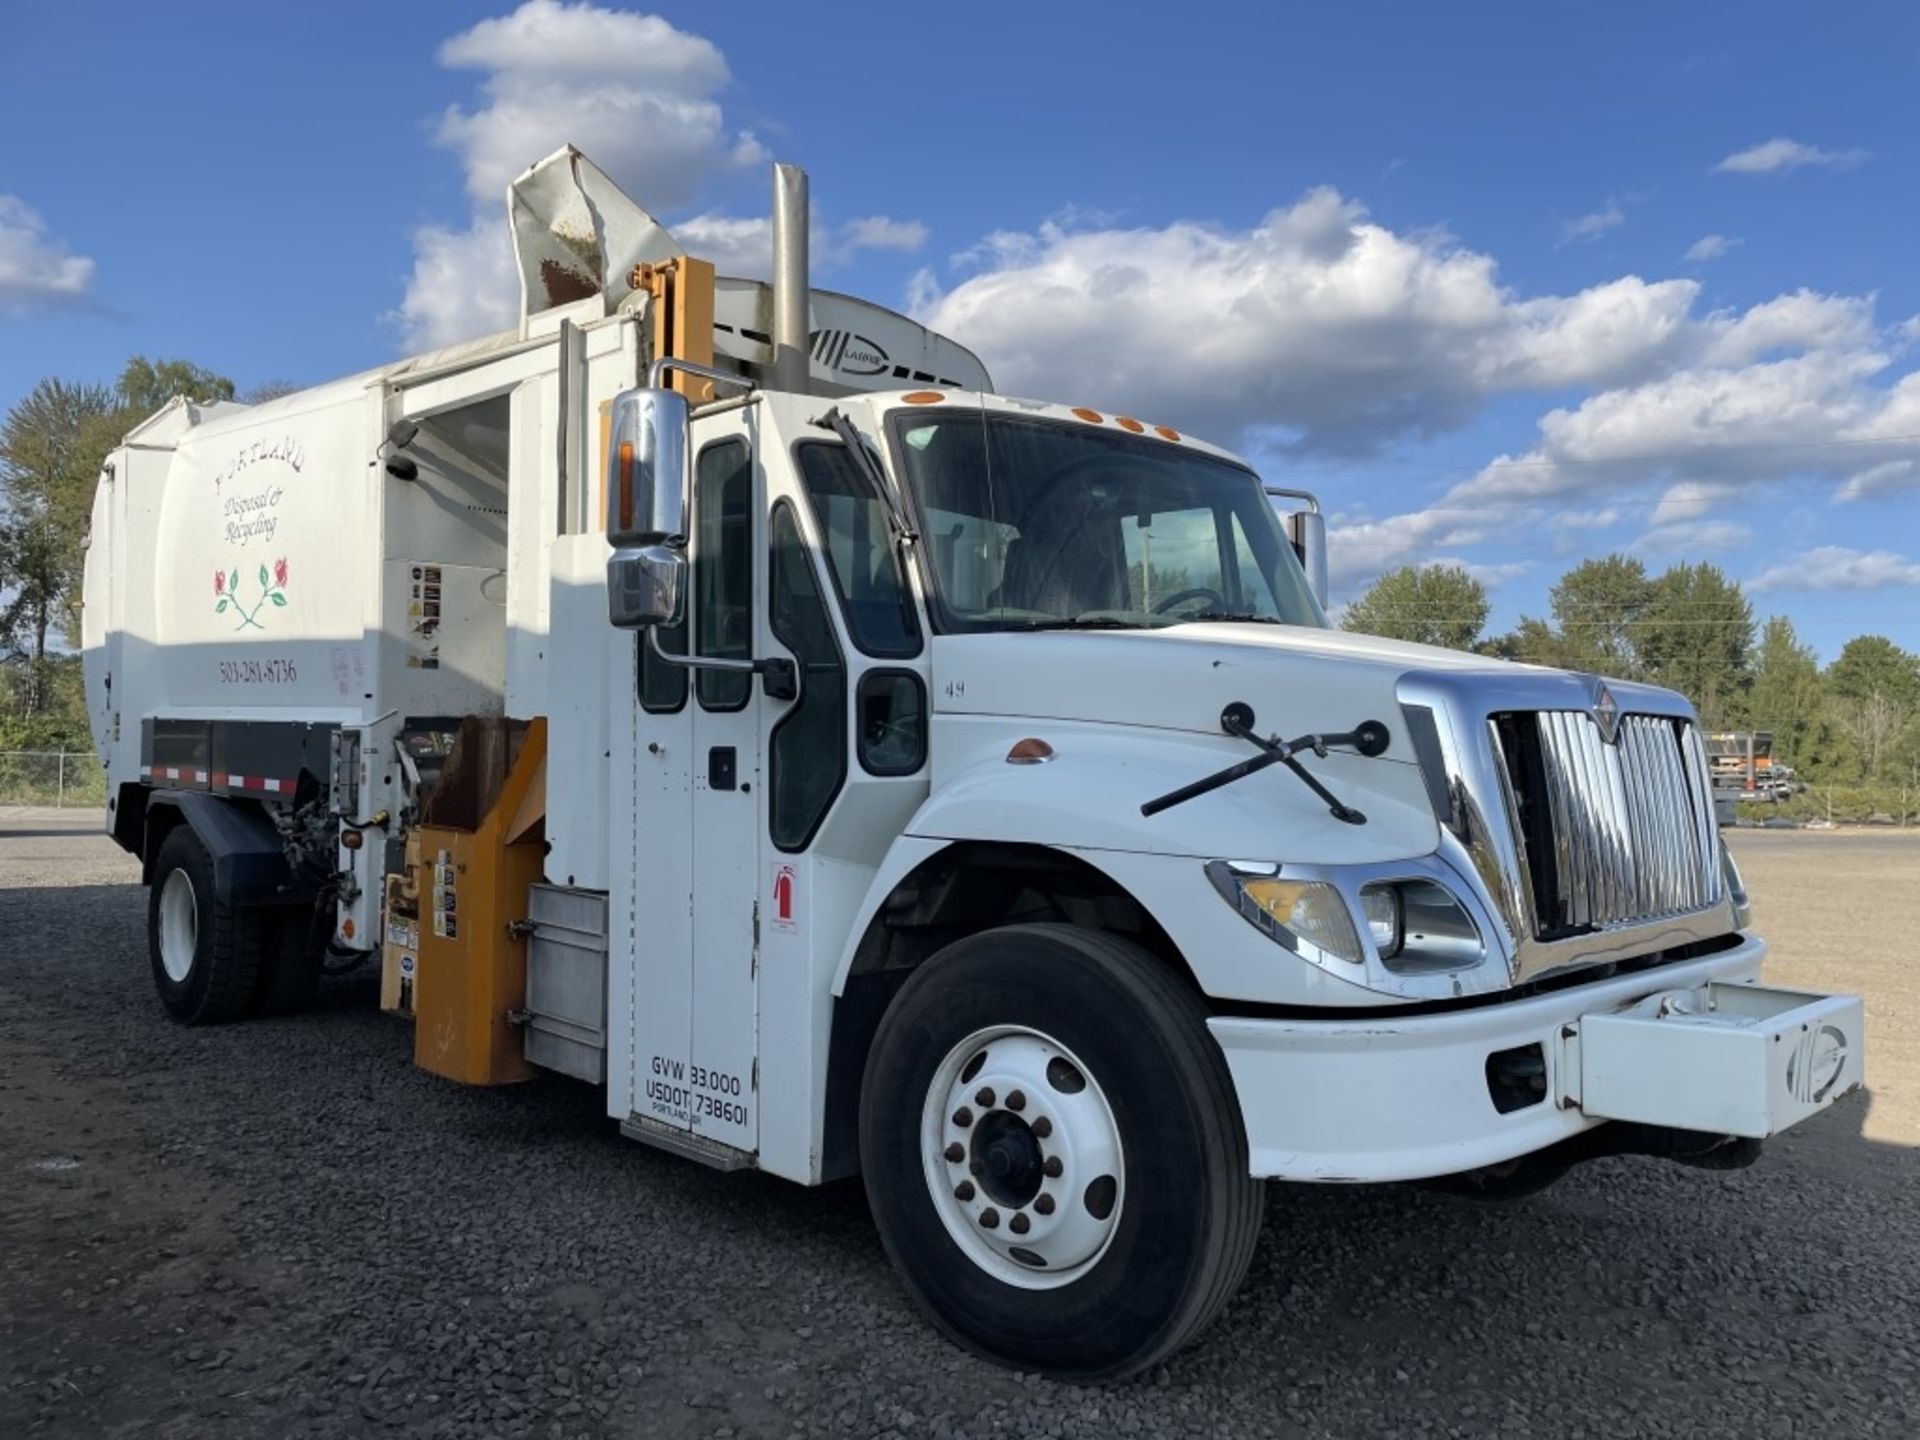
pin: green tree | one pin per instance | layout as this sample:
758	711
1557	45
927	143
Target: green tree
50	453
1695	635
1427	604
1598	606
149	385
1532	642
1875	688
52	446
1787	697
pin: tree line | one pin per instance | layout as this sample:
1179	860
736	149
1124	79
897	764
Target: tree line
1855	722
53	443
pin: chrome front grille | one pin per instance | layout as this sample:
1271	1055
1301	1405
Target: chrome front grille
1611	834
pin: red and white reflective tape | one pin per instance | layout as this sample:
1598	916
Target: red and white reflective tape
252	782
174	772
221	779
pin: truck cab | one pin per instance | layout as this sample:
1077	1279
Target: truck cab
958	790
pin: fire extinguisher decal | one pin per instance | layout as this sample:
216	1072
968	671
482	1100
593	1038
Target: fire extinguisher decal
784	901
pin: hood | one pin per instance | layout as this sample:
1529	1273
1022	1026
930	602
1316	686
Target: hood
1182	676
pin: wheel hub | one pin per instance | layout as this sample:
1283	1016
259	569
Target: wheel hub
1007	1158
1022	1157
179	926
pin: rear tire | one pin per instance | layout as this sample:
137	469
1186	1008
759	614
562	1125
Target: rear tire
1101	1134
205	954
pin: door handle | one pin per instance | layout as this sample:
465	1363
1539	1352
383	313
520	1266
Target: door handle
723	768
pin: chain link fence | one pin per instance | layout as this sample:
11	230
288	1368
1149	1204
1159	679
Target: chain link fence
64	779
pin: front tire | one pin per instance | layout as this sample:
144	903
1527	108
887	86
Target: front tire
1054	1154
205	954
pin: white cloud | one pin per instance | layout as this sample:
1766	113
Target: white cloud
743	245
1689	500
630	90
633	92
1835	567
879	232
1890	477
1710	247
35	268
1690	537
463	285
1780	155
1594	225
1317	324
1489	575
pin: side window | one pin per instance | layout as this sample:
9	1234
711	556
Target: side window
807	752
723	570
890	722
861	555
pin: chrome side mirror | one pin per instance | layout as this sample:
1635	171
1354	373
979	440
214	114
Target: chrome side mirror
646	493
647	469
646	585
1308	531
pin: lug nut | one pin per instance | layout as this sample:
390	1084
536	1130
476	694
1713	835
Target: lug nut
1019	1224
984	1098
1053	1167
1016	1100
990	1219
964	1190
1043	1127
963	1117
1044	1204
956	1152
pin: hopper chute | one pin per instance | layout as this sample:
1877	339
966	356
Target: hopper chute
576	234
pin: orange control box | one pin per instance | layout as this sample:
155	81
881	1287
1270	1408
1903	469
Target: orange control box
472	886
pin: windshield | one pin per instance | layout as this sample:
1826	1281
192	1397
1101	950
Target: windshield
1040	524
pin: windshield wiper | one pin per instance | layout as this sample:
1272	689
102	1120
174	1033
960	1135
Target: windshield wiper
1232	616
869	467
1369	737
1090	622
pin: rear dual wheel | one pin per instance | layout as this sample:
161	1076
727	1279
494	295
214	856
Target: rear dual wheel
214	962
1054	1154
206	955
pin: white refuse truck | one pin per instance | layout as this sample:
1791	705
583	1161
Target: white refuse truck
716	692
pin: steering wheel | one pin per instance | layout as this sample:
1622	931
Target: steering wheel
1216	600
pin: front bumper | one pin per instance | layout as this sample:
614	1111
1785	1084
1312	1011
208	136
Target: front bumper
1408	1097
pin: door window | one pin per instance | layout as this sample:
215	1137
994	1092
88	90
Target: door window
723	570
861	556
807	752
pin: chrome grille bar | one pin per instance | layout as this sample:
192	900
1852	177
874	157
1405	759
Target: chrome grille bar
1623	833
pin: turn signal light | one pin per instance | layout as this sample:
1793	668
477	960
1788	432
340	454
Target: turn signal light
1029	751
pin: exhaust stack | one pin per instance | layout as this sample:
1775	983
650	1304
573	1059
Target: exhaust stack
790	278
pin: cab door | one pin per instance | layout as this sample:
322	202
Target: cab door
728	543
694	818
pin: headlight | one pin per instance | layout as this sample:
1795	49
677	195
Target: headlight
1412	925
1294	912
1380	907
1736	889
1431	929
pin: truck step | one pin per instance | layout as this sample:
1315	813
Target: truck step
682	1142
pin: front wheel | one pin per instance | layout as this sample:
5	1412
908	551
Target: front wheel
1054	1154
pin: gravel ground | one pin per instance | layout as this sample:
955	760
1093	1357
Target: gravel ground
283	1229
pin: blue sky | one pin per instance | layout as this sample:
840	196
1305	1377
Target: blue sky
1454	267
